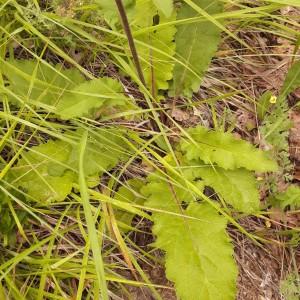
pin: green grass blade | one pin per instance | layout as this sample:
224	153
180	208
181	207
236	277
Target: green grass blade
95	246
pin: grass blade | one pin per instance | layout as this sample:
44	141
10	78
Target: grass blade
95	245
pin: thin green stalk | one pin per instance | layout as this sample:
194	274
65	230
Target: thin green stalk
95	245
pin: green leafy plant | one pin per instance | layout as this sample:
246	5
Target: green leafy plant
290	197
68	149
48	171
290	287
276	123
103	96
224	150
66	90
107	8
237	187
194	260
185	223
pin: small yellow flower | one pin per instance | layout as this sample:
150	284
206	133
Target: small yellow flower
268	224
273	99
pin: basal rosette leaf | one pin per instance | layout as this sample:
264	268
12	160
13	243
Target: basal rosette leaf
105	148
92	96
42	172
158	46
237	187
197	246
196	44
38	82
223	149
46	173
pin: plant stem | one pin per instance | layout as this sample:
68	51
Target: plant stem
130	40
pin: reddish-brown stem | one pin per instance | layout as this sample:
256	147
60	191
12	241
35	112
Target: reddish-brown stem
130	40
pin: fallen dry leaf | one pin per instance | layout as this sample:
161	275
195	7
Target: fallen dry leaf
179	114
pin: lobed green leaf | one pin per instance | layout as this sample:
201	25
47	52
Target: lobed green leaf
237	187
158	45
197	246
224	150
